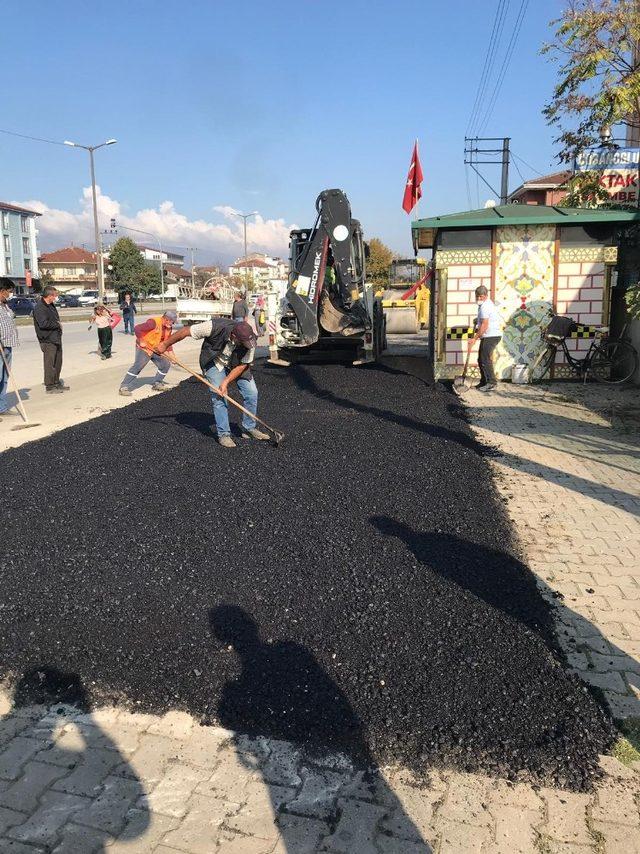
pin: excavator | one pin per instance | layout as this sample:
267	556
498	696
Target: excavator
328	306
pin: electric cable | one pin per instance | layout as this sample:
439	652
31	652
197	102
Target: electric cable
35	138
505	63
496	33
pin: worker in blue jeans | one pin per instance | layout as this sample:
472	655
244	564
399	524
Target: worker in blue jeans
227	354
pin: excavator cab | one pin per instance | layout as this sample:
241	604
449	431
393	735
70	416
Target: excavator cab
327	300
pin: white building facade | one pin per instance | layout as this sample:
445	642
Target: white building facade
18	252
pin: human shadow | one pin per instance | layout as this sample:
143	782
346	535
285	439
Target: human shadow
503	582
306	383
283	693
77	770
611	496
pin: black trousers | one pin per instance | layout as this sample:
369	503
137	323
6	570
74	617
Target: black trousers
485	359
52	354
105	340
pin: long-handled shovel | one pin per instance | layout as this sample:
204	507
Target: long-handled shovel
21	408
277	435
461	380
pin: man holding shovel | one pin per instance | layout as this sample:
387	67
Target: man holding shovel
8	339
149	335
226	356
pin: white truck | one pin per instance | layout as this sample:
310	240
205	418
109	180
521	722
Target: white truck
194	305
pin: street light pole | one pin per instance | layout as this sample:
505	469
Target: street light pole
245	217
99	267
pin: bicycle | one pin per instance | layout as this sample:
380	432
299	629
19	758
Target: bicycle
608	360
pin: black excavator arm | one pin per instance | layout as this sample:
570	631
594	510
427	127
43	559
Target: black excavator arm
329	303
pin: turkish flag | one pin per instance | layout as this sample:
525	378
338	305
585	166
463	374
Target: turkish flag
412	190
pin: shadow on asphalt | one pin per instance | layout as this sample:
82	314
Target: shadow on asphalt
489	575
277	694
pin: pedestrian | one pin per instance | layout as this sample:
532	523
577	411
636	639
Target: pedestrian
488	332
46	321
226	356
129	311
8	339
149	335
102	319
260	315
239	309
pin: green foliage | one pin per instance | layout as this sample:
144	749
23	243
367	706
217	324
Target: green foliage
585	191
130	271
378	263
599	81
632	297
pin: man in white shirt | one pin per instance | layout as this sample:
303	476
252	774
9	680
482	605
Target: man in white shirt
488	332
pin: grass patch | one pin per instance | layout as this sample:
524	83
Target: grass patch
627	747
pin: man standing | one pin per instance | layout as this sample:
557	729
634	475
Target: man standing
239	309
8	339
46	321
149	335
488	332
129	310
226	356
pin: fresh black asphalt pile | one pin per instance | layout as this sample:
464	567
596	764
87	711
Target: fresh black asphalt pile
356	588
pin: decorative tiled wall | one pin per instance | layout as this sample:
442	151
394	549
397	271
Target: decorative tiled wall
524	293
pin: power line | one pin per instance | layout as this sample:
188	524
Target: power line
518	170
466	176
505	62
528	165
494	40
35	138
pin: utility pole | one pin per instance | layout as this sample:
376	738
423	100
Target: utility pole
192	249
474	156
245	217
504	184
96	229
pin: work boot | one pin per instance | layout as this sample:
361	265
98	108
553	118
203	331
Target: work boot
55	389
160	386
488	387
61	384
226	442
124	391
254	433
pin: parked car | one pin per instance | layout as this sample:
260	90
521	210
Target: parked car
68	301
88	298
22	306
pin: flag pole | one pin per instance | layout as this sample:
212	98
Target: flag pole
417	200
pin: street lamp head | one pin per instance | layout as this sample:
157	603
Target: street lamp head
111	142
68	142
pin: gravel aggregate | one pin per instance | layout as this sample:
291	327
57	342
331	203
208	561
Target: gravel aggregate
358	588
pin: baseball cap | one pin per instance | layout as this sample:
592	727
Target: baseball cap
244	334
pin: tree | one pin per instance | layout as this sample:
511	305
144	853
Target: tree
599	78
378	263
130	271
584	190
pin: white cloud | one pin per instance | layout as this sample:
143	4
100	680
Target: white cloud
59	228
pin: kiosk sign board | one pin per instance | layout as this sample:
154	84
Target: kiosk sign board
618	171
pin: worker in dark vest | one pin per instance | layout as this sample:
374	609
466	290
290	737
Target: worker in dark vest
227	354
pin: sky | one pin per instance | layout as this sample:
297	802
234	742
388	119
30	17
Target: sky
223	106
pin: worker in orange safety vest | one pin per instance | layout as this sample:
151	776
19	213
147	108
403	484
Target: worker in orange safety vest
148	335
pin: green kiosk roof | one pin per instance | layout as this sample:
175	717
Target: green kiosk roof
424	230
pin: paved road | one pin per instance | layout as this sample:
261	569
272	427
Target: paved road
80	351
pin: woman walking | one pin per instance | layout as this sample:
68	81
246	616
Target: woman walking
102	318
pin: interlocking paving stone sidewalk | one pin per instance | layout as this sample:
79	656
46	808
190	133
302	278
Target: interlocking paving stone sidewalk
569	471
116	781
229	804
